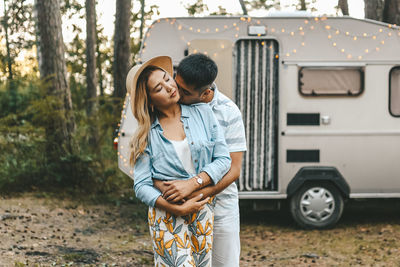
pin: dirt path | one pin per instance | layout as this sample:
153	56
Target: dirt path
51	232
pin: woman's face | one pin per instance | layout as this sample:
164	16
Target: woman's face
162	89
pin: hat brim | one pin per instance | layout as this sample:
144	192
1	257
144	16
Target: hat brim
163	62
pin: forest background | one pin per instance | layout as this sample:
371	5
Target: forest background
61	98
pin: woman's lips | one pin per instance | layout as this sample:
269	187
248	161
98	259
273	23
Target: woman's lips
173	94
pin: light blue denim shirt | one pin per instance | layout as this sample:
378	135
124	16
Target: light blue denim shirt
160	161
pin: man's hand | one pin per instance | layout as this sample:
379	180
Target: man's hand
178	190
191	206
207	191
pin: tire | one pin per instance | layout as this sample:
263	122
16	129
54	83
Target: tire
317	205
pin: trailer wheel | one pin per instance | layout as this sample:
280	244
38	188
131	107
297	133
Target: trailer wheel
316	205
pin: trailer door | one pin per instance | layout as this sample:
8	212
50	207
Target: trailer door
256	94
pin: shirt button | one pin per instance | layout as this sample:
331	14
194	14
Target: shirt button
195	160
192	143
187	127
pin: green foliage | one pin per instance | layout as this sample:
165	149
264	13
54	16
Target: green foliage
197	8
262	4
26	163
149	12
18	22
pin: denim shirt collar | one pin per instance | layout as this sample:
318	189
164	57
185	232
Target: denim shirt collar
184	114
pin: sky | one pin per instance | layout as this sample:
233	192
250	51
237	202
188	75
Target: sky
175	8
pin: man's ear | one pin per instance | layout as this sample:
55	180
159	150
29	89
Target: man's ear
205	93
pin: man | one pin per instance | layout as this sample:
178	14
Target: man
195	79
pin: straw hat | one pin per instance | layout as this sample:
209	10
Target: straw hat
163	62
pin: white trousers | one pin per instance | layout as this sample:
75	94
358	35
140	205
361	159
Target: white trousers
226	244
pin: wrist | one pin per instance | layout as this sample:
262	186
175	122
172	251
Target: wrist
198	182
178	210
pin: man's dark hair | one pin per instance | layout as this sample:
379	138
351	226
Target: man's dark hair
197	70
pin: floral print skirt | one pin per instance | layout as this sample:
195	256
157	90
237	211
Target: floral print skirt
182	240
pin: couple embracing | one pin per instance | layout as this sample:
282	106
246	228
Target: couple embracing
187	153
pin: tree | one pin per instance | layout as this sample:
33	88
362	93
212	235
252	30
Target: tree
391	12
140	21
243	6
122	53
344	7
373	9
197	8
8	57
303	5
18	30
91	80
263	4
53	71
142	14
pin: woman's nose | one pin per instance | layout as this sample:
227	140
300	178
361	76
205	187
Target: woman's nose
168	87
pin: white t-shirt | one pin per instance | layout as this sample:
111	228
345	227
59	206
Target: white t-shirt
183	151
230	119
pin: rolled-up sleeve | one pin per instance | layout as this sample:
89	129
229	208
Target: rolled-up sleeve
221	161
143	183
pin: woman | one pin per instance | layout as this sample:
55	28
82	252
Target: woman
184	146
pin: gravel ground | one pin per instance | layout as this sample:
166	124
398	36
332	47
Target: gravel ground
47	231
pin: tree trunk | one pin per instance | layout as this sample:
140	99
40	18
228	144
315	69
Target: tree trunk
243	7
11	83
122	53
91	80
9	60
373	9
142	14
53	71
99	67
391	12
343	5
303	5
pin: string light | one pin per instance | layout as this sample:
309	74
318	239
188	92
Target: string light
299	30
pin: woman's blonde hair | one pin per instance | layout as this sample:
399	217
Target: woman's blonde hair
140	102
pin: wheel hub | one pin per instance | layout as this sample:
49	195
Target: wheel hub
317	204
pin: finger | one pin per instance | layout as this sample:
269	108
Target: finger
198	197
168	187
203	202
168	192
168	182
172	197
178	198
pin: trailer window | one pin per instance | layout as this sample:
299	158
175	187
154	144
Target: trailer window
331	81
394	92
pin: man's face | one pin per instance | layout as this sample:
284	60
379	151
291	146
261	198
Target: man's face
187	92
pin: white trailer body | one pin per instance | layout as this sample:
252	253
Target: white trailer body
320	99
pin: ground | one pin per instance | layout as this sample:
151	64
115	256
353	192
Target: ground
46	231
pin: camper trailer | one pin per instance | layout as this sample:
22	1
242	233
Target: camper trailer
320	99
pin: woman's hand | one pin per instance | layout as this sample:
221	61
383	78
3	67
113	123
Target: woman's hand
192	205
177	190
160	185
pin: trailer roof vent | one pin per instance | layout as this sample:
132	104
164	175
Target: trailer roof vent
256	30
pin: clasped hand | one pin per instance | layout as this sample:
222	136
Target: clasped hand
177	190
